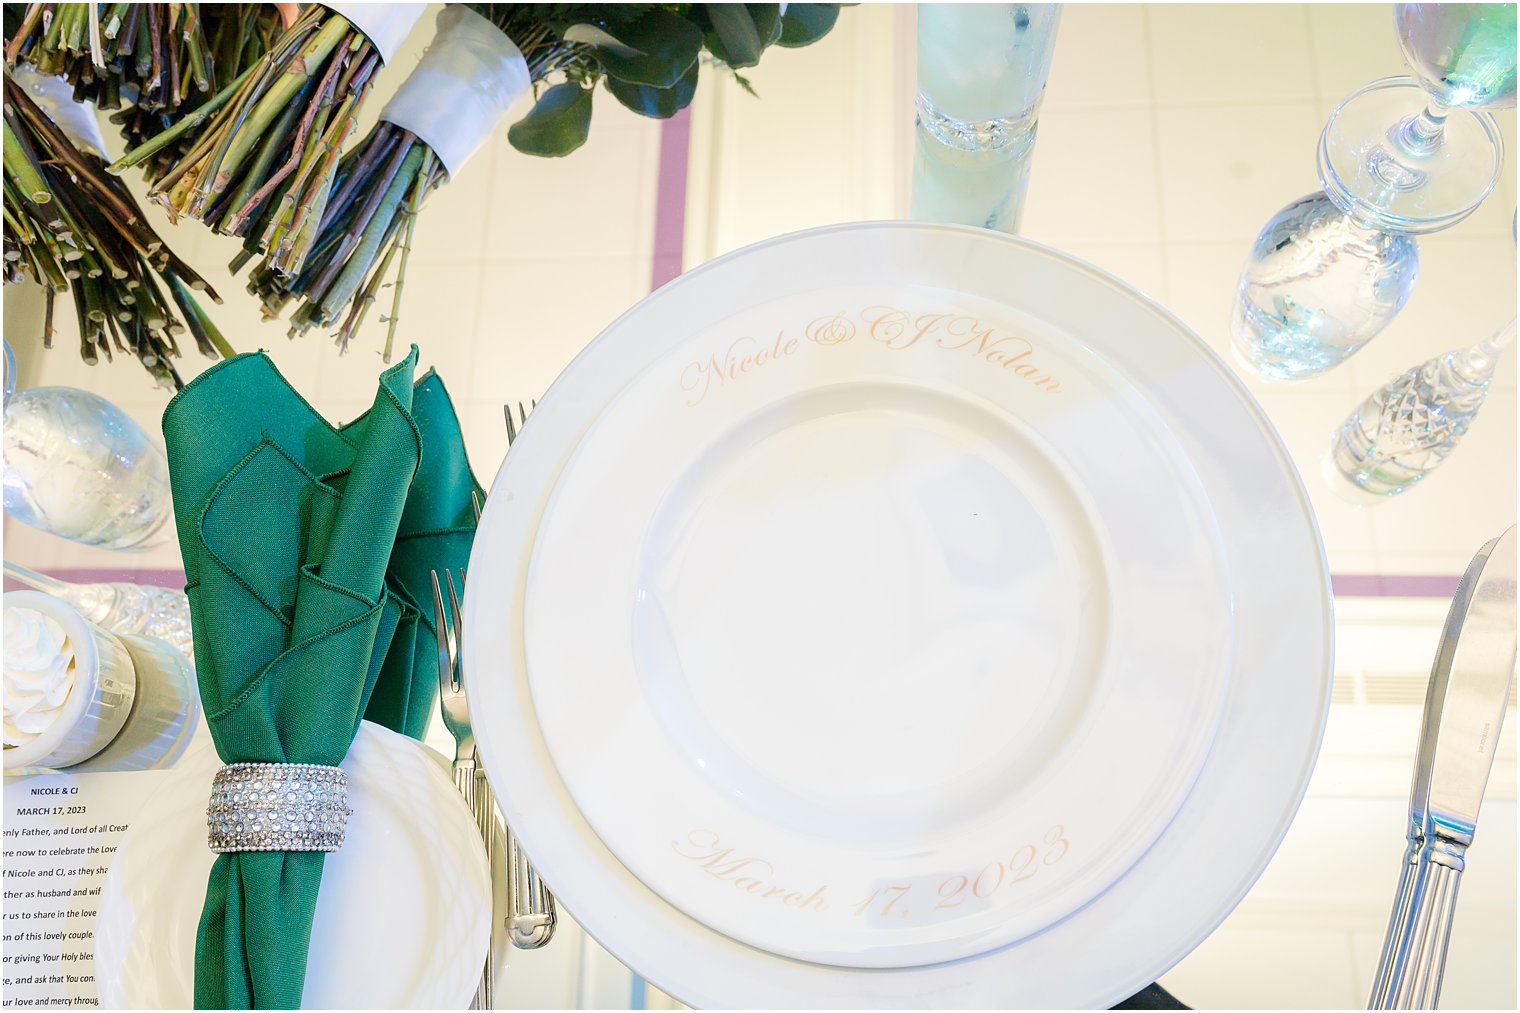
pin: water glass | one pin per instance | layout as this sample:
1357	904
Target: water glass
1317	286
78	467
981	76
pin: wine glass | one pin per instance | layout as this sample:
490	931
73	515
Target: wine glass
78	467
1318	285
1406	428
1420	154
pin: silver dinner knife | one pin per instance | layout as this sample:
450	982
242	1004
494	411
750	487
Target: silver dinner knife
1464	710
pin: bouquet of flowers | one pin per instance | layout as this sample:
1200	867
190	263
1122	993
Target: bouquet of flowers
76	230
483	57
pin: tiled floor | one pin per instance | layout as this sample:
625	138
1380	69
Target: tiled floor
1235	98
518	263
1169	134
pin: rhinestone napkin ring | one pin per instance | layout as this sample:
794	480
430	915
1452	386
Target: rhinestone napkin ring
277	807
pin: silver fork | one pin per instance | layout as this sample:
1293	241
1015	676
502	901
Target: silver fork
532	913
469	777
514	427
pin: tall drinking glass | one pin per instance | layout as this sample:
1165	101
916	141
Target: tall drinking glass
981	76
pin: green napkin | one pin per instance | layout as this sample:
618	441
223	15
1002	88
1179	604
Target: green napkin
437	530
288	528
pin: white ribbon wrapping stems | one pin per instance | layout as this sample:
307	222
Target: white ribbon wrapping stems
385	25
55	96
465	83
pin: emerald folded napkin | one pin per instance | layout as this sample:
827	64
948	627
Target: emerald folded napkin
305	549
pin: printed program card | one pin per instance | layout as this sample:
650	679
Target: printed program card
61	834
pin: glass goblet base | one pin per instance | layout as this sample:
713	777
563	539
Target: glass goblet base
1376	165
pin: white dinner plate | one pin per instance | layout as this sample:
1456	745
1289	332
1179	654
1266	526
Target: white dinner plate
876	615
403	913
921	654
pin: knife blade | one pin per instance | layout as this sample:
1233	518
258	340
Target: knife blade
1464	711
1469	688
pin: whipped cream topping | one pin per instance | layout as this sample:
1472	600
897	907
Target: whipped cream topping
39	672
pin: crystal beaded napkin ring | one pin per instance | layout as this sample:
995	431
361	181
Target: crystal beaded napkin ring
277	807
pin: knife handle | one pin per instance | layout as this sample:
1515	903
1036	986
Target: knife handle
1414	952
1377	997
534	914
464	780
485	819
468	779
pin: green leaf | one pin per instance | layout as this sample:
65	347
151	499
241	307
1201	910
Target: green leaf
658	103
767	21
738	34
557	124
600	38
657	48
805	24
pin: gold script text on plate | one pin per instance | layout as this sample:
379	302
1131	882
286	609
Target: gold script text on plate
890	327
924	898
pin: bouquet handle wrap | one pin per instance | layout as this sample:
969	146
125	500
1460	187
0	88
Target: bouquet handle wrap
55	96
462	88
385	25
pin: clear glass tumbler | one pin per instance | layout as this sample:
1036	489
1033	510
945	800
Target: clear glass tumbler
981	77
78	467
1318	285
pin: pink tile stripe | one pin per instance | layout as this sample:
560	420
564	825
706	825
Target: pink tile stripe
1372	585
669	245
670	199
99	575
1344	585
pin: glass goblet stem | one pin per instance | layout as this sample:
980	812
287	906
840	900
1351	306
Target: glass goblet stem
1420	136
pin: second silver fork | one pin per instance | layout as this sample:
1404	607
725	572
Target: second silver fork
469	776
533	914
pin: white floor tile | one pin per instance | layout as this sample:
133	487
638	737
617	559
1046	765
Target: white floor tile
1245	969
1225	171
582	205
1094	178
453	223
1201	280
485	437
1229	53
1097	62
535	318
1352	45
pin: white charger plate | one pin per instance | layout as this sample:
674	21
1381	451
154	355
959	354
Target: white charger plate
599	765
403	913
922	655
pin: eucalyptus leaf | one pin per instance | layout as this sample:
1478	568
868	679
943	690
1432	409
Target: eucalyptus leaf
557	124
737	38
767	21
805	24
602	40
659	103
657	48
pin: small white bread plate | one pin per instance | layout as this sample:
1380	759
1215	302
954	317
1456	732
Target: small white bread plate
863	612
403	913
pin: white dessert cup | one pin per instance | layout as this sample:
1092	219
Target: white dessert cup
99	701
165	714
